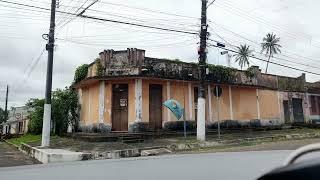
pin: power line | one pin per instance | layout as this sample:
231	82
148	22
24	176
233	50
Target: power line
138	25
211	3
148	10
106	20
260	59
247	15
254	42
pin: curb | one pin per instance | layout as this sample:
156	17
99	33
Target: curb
137	152
191	146
117	154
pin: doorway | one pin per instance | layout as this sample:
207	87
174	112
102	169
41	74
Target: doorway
155	106
297	110
286	112
120	107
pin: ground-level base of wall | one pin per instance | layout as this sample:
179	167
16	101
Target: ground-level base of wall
95	128
138	127
254	123
179	125
315	119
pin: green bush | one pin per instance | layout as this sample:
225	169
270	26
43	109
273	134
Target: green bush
221	74
64	112
36	115
81	73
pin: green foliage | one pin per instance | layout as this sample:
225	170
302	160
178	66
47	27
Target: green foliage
81	73
270	45
2	115
221	73
64	112
250	72
242	57
36	115
28	138
100	69
290	84
64	109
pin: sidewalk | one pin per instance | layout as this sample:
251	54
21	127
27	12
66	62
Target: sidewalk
229	139
10	156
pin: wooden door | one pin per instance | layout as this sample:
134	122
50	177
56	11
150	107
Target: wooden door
120	107
297	110
286	112
155	106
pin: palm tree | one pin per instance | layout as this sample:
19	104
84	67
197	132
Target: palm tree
270	46
242	57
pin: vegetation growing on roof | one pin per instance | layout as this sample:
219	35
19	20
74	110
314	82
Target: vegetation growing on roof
290	84
100	69
250	73
221	74
81	73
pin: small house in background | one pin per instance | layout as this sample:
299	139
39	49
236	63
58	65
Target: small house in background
124	91
17	123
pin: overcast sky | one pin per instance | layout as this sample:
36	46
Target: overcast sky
80	40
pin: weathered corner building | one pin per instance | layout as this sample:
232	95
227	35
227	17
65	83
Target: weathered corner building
18	120
124	91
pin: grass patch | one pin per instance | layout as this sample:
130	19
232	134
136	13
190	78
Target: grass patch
28	138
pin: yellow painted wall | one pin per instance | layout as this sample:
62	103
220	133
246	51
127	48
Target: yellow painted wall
244	103
108	103
224	113
192	101
94	106
268	102
164	98
145	100
85	105
131	101
92	70
179	92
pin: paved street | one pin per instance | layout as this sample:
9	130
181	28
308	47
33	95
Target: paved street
232	165
10	156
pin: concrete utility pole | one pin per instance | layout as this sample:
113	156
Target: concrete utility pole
6	106
47	106
201	124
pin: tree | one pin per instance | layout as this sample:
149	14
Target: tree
270	46
64	112
2	115
35	116
242	57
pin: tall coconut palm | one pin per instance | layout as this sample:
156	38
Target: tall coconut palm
242	56
270	46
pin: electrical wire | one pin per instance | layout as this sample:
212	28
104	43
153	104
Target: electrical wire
271	62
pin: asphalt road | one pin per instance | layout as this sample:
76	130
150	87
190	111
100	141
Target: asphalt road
231	165
10	156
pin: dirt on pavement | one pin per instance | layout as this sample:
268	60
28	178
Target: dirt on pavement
9	156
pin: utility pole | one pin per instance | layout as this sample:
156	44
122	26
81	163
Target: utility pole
6	106
201	124
47	106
